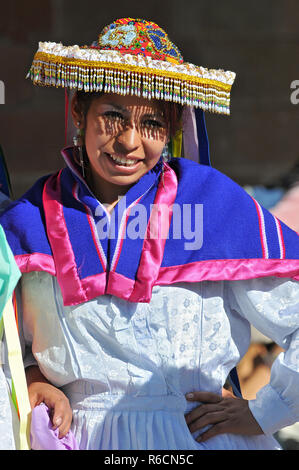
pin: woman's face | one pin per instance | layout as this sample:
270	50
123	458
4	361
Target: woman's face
124	139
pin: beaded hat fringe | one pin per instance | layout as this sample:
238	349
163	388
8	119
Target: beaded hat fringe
115	70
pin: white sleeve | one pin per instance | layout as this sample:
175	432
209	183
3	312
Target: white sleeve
272	306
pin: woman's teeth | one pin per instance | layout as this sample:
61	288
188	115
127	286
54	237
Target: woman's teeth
122	160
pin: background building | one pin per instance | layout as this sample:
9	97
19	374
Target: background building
259	40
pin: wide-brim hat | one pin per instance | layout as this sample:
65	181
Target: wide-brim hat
133	57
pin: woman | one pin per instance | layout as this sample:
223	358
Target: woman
131	303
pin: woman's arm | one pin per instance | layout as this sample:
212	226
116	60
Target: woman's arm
272	305
42	391
39	388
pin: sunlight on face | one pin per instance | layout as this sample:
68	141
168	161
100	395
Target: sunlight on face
124	138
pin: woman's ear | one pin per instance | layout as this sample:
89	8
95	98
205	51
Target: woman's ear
76	112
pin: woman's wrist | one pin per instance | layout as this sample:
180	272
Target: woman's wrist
33	375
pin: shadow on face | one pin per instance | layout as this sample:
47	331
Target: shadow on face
170	112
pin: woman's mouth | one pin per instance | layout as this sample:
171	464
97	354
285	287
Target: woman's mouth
122	161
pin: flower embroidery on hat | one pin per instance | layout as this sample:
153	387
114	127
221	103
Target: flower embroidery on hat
119	36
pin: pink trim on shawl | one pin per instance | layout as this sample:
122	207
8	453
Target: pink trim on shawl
36	262
153	247
120	286
216	270
66	272
93	287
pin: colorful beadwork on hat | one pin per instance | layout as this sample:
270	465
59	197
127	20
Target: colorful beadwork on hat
143	37
133	57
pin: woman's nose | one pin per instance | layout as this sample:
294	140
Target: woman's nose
129	139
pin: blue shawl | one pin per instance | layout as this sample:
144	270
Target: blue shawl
189	223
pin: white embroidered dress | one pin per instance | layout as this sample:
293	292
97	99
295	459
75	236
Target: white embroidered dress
126	367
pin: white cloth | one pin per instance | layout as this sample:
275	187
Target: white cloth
7	416
126	367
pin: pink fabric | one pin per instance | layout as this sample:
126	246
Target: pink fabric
215	270
120	285
67	274
43	437
36	262
153	247
92	286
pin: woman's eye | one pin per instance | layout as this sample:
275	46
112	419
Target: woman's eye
115	115
153	123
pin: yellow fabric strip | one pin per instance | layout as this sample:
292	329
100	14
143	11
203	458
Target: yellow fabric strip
18	373
177	144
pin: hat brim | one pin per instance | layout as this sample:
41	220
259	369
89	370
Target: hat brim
96	70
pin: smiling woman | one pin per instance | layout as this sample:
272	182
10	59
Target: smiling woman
131	329
123	139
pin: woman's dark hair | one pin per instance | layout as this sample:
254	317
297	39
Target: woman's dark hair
172	112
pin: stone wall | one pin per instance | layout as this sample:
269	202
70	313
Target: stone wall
259	40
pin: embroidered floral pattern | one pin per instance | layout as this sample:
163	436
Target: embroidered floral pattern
119	36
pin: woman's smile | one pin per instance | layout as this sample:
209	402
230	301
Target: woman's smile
123	162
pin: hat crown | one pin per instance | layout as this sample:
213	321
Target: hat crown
139	37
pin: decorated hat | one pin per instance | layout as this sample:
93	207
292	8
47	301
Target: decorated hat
133	57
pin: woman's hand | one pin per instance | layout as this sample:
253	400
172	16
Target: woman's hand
225	414
41	391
